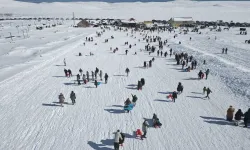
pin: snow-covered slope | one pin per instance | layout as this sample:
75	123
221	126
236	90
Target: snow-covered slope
32	119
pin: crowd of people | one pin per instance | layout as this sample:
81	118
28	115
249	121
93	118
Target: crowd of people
187	62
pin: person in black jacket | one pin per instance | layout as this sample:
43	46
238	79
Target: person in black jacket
180	88
65	71
106	78
139	86
238	116
246	117
95	83
142	81
127	71
174	95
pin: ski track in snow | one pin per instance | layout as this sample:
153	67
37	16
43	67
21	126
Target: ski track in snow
30	118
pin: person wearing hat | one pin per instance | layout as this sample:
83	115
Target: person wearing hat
118	137
230	113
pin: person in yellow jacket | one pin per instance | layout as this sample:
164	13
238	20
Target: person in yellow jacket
230	113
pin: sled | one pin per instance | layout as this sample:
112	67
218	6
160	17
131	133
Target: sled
170	96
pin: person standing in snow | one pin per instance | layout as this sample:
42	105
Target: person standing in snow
134	99
92	74
100	75
64	61
61	99
127	71
87	73
145	64
139	86
208	92
180	88
174	96
73	97
96	84
77	77
116	140
150	63
207	72
70	73
66	72
161	53
183	64
80	70
226	51
204	90
145	126
246	117
106	78
230	113
238	115
126	51
84	79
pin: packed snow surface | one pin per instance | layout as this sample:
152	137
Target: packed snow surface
32	77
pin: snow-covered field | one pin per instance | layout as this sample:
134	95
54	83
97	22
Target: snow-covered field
205	10
32	77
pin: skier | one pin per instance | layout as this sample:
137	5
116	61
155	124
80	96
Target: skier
174	96
80	70
64	61
145	126
61	99
116	140
207	72
100	75
238	115
126	51
158	52
127	71
208	92
226	51
204	90
66	72
96	83
246	117
170	52
106	78
230	113
161	53
204	62
180	88
73	97
223	50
